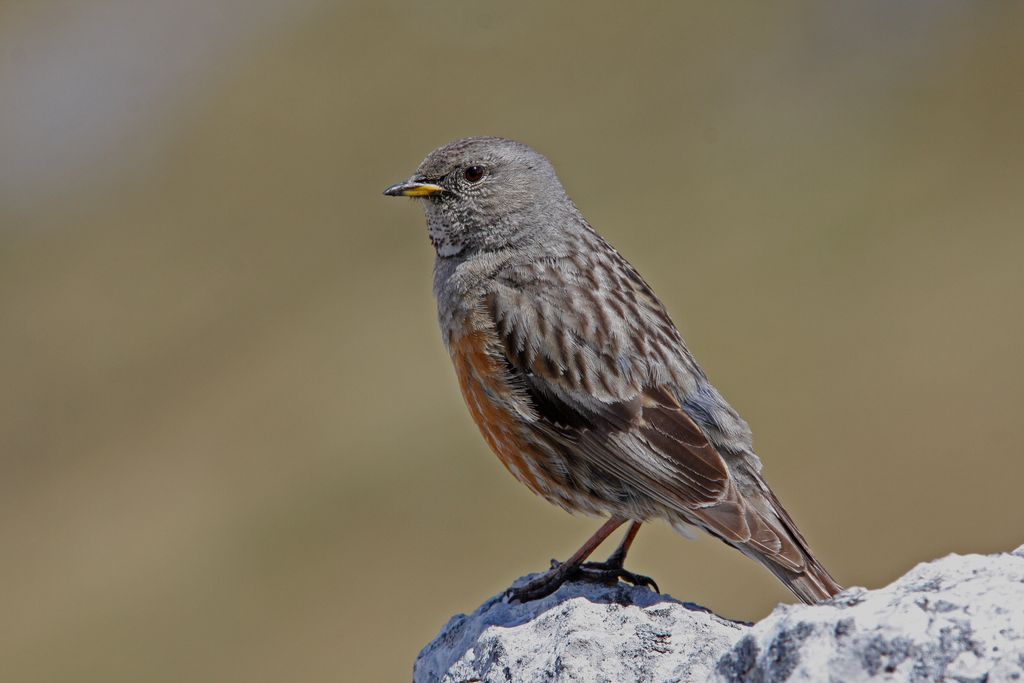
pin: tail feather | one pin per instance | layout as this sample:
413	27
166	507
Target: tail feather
812	584
757	525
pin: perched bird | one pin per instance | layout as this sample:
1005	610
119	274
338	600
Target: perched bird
577	377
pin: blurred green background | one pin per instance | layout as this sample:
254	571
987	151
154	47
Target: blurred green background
232	447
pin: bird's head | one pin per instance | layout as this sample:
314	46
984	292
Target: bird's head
485	194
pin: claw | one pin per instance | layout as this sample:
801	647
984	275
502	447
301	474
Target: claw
641	580
611	572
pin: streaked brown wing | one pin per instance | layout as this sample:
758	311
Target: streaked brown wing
652	443
588	403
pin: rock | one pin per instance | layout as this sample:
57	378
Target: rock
960	618
583	632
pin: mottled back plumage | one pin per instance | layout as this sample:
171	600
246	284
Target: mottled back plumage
573	370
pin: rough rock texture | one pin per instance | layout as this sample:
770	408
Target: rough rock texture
583	632
959	619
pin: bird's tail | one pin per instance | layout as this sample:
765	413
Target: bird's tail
811	584
757	525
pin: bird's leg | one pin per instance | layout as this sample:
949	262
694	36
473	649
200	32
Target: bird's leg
611	570
549	582
618	558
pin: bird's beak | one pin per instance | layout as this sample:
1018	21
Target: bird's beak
412	188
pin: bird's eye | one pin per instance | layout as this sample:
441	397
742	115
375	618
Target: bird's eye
474	174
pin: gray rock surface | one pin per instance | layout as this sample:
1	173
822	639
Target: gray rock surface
960	618
583	632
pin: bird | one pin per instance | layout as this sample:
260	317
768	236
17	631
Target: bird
578	379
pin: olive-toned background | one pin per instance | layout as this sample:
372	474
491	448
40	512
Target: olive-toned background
232	448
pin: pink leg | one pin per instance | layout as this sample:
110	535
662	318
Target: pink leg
619	556
560	573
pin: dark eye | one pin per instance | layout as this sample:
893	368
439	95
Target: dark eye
474	174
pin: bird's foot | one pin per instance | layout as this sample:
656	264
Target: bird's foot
610	572
545	584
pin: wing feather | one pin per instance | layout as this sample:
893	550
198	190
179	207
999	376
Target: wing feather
638	433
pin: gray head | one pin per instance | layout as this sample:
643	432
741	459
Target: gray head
486	194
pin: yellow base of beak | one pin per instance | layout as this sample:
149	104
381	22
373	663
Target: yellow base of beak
412	189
